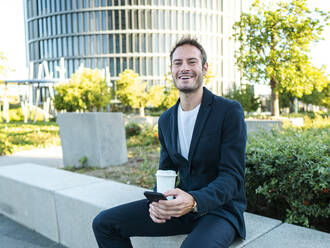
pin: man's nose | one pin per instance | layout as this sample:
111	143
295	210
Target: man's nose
185	67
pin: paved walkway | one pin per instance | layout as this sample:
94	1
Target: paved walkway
51	157
12	234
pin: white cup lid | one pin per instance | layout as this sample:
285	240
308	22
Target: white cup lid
168	173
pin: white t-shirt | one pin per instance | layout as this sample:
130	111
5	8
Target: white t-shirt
186	124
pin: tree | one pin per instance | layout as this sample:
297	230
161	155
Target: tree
245	96
86	90
274	44
132	91
318	98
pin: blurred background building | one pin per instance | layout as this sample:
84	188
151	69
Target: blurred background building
134	34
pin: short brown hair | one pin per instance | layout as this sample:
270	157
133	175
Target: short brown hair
187	40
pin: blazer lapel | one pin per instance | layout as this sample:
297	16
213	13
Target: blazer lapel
201	119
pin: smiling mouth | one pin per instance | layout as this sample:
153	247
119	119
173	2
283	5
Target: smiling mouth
185	77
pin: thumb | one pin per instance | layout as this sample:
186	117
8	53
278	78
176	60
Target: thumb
172	192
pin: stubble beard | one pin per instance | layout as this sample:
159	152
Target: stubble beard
194	88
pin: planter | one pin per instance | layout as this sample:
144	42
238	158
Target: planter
98	136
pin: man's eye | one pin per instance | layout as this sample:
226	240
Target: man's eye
192	62
177	63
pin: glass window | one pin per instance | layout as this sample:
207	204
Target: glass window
123	43
41	31
188	20
179	20
116	15
123	20
137	65
74	23
80	23
86	19
143	43
105	44
41	45
68	5
148	19
142	19
136	19
137	43
112	66
65	48
104	21
52	7
124	67
81	45
156	43
118	66
98	20
161	19
131	63
92	44
49	26
50	48
117	43
149	41
64	24
91	22
98	44
129	19
150	67
59	27
156	16
144	66
73	47
111	42
59	48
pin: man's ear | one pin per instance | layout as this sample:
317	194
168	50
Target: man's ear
205	68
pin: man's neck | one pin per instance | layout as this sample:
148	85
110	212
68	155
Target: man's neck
191	100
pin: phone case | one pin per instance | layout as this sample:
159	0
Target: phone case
154	196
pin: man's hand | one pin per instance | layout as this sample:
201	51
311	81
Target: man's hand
164	210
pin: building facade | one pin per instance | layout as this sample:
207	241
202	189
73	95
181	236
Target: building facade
134	34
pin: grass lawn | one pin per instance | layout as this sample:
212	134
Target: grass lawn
19	136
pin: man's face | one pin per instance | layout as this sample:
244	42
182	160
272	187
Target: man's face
187	70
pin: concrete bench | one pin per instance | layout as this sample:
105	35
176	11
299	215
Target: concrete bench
61	205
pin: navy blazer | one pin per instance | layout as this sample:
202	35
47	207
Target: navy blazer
214	171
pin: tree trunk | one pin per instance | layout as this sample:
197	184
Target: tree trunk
275	106
142	111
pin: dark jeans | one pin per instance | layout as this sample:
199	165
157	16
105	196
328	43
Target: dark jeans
113	227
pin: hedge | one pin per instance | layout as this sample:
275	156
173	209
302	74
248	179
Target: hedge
287	176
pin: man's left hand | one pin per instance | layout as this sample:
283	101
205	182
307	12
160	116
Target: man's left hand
181	205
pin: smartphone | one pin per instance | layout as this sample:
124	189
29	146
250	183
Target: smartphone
154	196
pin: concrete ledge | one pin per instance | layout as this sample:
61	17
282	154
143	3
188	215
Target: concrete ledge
61	205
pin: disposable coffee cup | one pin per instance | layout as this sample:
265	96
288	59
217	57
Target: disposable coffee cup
165	181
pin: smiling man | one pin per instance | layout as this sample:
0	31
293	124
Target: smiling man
203	138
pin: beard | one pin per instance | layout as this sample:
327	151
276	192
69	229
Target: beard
189	89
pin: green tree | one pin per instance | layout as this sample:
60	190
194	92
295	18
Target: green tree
321	98
86	90
245	96
274	43
131	90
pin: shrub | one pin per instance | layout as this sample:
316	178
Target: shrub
132	129
5	145
245	96
86	90
287	176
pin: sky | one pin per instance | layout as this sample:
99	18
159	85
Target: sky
12	36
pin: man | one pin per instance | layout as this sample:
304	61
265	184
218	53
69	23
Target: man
203	138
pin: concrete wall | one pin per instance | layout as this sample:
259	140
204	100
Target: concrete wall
61	205
98	136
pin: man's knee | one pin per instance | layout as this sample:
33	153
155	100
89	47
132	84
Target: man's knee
101	222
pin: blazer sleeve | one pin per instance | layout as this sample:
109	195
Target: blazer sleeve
231	167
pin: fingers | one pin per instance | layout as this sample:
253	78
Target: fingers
156	216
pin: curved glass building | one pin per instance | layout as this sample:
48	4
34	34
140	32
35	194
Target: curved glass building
135	34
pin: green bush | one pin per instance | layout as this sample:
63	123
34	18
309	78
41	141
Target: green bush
245	96
287	176
132	129
5	146
86	90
